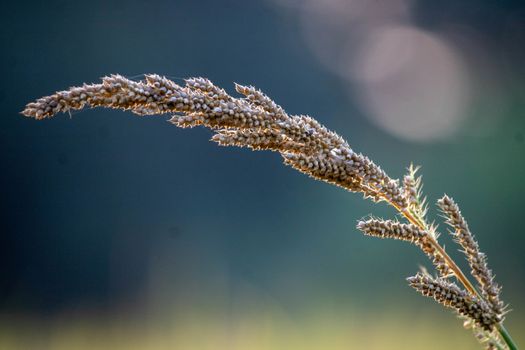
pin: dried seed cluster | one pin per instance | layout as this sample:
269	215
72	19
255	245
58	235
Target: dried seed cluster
412	186
450	295
254	121
476	259
392	229
405	232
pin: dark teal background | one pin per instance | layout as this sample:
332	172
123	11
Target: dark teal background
96	205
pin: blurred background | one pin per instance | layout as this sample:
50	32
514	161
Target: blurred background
121	232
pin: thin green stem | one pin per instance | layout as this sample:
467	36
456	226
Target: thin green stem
506	337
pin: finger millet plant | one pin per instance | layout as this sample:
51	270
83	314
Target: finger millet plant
256	122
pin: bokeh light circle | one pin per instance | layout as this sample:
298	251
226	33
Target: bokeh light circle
411	83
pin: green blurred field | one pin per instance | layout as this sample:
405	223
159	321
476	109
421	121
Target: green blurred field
247	325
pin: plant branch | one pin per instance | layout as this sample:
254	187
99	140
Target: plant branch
458	273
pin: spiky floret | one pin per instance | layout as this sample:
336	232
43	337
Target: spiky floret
450	295
409	233
476	259
264	139
413	189
392	229
487	338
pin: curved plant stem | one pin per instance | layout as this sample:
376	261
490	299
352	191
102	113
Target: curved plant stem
506	337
